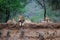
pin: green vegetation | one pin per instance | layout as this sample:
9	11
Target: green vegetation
8	6
53	10
30	8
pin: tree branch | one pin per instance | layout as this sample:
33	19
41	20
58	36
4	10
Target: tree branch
40	3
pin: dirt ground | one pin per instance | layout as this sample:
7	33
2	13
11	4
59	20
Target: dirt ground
29	34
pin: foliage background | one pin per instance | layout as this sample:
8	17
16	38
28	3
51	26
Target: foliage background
30	9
